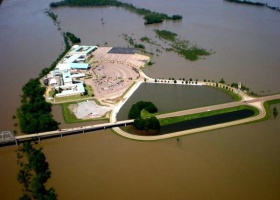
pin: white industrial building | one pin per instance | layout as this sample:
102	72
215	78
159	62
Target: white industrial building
68	71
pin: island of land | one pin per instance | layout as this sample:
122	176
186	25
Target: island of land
112	74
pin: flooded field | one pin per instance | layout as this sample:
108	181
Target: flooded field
240	162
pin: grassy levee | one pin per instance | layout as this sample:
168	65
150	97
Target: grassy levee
267	106
172	120
234	96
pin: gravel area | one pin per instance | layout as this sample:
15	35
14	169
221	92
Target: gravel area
88	109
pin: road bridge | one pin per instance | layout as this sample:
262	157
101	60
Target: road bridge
246	100
65	132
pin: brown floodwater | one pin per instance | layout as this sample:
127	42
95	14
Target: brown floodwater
240	162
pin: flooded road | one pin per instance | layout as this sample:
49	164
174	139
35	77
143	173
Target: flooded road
240	162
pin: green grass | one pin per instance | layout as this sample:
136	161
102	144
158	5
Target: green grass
234	96
190	51
167	35
172	120
145	39
51	93
267	106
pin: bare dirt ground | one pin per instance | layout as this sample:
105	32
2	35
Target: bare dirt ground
114	73
88	109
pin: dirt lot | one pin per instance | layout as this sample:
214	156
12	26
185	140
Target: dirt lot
88	109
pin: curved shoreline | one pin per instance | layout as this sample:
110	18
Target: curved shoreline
246	100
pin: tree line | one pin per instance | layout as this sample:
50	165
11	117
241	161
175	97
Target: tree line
254	3
145	124
74	39
34	113
149	16
34	173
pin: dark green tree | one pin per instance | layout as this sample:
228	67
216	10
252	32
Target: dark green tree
275	112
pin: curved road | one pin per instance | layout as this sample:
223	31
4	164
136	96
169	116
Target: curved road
256	102
114	124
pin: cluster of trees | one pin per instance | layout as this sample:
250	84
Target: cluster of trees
151	123
34	173
165	34
132	43
145	124
135	111
255	4
190	52
183	47
150	16
243	87
275	112
34	114
73	38
46	70
51	15
248	2
154	18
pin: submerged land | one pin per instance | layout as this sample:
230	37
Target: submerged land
99	160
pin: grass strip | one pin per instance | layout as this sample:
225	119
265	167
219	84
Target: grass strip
172	120
267	106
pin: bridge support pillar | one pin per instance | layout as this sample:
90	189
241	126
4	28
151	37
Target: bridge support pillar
83	131
125	124
61	135
39	139
16	142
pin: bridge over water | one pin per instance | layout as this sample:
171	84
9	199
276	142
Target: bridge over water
61	132
7	137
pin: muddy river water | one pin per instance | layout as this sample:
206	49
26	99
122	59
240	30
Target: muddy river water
240	162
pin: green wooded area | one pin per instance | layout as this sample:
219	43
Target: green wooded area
135	111
73	38
34	114
149	16
190	51
33	173
146	124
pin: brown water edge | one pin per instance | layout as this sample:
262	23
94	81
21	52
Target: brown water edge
240	162
212	165
9	187
29	42
244	46
244	43
234	163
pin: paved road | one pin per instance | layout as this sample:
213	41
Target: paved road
256	102
63	132
246	100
